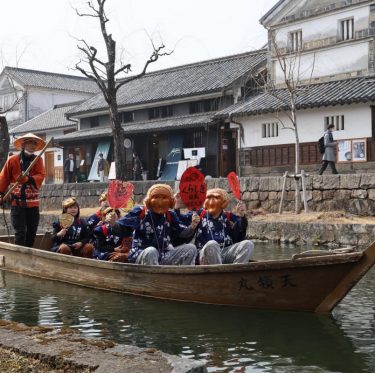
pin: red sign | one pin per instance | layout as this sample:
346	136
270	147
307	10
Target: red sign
119	193
193	189
234	184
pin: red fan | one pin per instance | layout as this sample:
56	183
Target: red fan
119	193
234	184
193	188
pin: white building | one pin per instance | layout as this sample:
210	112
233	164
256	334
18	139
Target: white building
327	46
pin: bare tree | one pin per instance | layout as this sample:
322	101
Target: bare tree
106	75
293	83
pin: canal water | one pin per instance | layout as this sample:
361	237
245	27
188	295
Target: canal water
228	339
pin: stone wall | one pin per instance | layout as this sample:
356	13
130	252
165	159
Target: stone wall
313	234
353	193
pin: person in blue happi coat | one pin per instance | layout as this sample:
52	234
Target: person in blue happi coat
155	227
72	240
97	217
220	236
109	244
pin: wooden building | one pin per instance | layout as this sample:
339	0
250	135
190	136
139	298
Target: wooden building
167	111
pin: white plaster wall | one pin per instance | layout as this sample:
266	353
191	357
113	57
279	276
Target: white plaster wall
324	26
336	60
310	125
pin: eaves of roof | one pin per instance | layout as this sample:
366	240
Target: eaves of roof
340	92
43	79
159	125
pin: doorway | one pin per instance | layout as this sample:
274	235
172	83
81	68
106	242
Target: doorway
228	151
50	167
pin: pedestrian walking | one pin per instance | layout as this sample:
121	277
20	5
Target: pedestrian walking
329	156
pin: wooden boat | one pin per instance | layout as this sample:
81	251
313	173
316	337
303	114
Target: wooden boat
315	281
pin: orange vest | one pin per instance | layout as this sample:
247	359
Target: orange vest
10	173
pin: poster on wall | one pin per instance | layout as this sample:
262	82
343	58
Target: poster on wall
359	150
351	150
344	151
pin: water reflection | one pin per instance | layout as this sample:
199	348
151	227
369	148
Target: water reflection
230	339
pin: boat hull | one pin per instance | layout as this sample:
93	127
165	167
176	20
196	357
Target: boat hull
305	284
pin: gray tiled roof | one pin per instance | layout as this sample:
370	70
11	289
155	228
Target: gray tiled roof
340	92
51	119
165	124
43	79
182	81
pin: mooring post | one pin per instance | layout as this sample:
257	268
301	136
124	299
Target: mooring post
282	193
304	190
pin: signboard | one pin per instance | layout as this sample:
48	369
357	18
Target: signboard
353	150
193	189
359	150
344	151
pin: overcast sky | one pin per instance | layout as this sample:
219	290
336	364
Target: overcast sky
43	34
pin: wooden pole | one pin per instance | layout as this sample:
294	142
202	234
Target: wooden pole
282	193
304	190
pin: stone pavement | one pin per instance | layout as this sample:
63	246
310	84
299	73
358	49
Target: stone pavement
68	347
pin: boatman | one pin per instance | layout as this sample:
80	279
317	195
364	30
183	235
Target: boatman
25	196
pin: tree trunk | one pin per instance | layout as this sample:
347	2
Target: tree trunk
297	183
4	143
118	142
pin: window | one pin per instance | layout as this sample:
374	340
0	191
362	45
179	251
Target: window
336	120
204	106
295	41
7	101
197	138
94	122
160	112
346	29
270	129
127	117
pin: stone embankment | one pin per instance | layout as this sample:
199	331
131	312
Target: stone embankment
69	351
352	193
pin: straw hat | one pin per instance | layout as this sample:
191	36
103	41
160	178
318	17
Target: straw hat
18	143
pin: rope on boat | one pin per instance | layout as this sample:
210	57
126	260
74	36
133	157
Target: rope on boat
316	253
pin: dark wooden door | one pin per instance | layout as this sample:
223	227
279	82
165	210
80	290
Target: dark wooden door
228	151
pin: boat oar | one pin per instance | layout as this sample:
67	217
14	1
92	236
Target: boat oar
26	172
